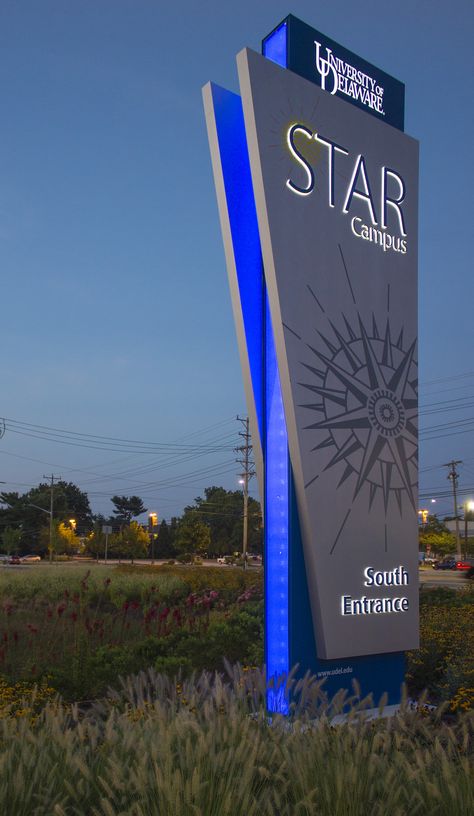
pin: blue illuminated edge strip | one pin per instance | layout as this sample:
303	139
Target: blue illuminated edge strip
260	346
276	460
277	487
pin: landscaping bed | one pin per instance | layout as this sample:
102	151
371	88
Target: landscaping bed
171	739
76	630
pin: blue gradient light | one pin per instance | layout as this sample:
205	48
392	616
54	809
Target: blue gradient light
277	649
277	646
265	381
274	47
242	214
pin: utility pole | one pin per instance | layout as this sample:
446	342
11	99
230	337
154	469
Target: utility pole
245	477
51	507
453	476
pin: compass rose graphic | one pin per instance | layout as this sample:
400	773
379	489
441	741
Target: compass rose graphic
366	385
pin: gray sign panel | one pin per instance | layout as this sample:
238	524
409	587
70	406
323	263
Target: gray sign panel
336	196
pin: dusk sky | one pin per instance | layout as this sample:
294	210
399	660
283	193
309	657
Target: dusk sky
116	316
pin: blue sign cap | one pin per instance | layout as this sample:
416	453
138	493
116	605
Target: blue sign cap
304	50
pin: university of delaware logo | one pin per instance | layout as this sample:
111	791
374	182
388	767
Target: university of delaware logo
324	67
340	76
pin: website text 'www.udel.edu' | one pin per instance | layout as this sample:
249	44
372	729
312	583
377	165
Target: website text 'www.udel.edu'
338	670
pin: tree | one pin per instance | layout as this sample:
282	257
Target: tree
193	535
116	546
29	512
434	525
133	541
15	515
68	541
127	507
222	511
76	505
173	531
165	547
434	537
69	501
11	540
95	542
64	539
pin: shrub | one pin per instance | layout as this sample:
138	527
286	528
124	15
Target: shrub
444	663
229	582
238	637
173	666
442	596
186	558
24	699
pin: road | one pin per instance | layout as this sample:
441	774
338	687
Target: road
113	562
451	579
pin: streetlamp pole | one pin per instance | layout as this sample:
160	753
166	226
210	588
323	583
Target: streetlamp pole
106	530
50	514
152	526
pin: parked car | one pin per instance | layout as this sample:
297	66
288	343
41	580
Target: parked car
26	559
465	564
14	559
448	563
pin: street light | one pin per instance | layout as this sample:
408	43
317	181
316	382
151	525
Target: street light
50	514
37	507
424	516
152	526
73	524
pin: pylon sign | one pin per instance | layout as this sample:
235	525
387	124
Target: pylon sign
318	206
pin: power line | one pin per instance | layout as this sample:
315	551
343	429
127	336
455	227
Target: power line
97	442
453	377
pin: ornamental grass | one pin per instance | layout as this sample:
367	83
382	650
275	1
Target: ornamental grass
205	747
